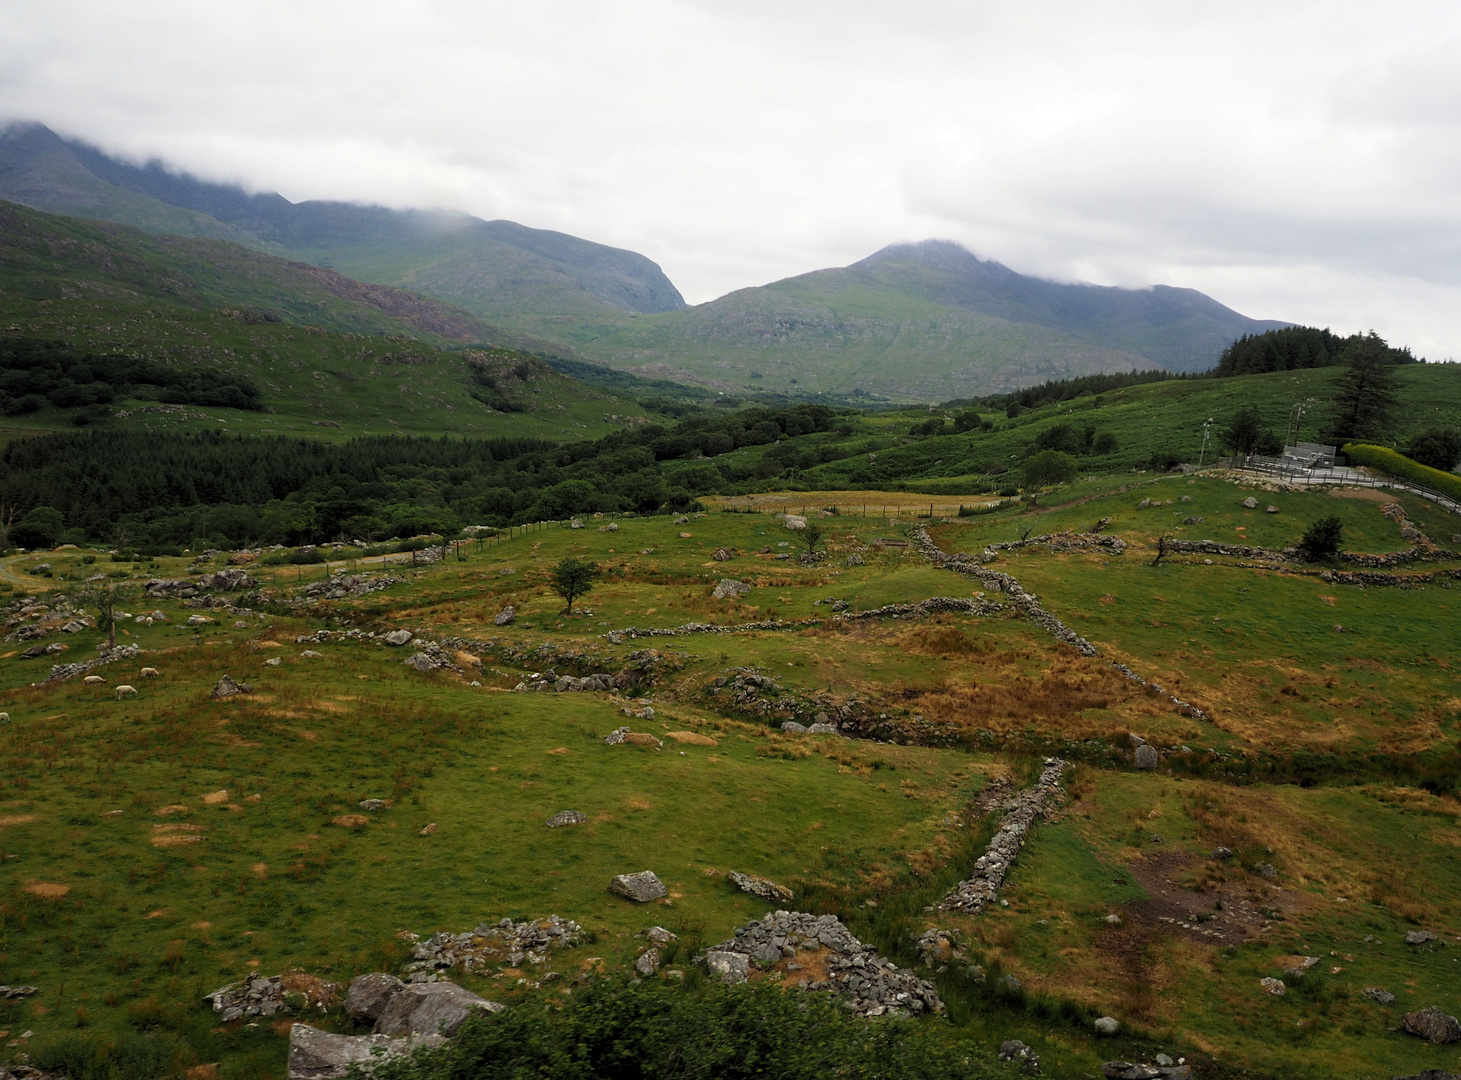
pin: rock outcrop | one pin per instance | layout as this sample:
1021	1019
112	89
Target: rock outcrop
320	1055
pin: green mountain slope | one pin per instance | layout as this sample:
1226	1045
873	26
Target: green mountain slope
331	356
924	321
498	269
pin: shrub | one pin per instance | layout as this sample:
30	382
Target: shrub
1321	539
1436	448
1398	465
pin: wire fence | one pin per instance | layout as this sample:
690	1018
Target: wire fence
1339	475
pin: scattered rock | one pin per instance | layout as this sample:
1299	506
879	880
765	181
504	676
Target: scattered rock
427	830
855	559
1250	503
659	936
1014	1050
8	993
420	662
198	620
504	942
1107	1025
730	590
505	616
1271	510
273	661
1112	920
642	887
437	1008
1379	995
1419	937
575	524
1273	986
793	728
722	555
1302	968
1147	757
648	962
374	805
1126	1070
397	637
1221	853
870	984
1433	1025
822	729
266	995
937	947
1266	870
226	687
320	1055
760	887
732	967
566	817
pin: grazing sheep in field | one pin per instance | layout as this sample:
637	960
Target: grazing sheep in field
93	680
126	691
4	718
150	673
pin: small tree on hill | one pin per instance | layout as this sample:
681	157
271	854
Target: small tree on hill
572	579
105	596
1321	539
811	536
1049	467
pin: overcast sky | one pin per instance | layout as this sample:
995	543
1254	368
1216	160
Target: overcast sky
1295	161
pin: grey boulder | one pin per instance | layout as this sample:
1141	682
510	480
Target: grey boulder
226	687
566	817
732	967
437	1008
1379	995
398	637
505	616
370	994
1419	937
1107	1025
1147	757
791	727
1127	1070
641	887
1433	1025
319	1055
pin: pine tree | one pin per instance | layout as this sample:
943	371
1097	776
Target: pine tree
1365	394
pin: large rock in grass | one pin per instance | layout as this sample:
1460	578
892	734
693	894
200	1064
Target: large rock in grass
437	1008
732	967
760	887
730	590
398	637
642	887
370	994
1147	757
319	1055
1129	1070
226	687
1433	1025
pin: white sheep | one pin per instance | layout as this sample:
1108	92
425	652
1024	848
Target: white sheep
126	691
93	680
150	673
4	718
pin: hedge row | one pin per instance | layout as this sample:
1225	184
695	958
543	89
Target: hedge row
1398	465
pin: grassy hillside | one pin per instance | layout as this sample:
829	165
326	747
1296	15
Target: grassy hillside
157	848
333	357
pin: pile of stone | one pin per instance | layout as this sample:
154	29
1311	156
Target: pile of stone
869	984
728	589
935	605
618	637
267	995
938	948
504	943
431	657
550	680
760	887
224	580
343	586
972	894
791	727
1014	1050
1128	1070
62	672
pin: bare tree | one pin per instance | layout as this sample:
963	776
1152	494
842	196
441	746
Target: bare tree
1164	548
7	519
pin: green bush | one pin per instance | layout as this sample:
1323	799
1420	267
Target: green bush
657	1029
1398	465
1321	539
1049	467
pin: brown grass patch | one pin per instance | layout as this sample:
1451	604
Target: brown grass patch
213	798
174	809
636	803
559	750
17	819
47	890
268	645
639	738
1059	697
351	821
260	869
202	1072
693	738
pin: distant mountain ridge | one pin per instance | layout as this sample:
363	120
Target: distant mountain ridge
547	269
914	321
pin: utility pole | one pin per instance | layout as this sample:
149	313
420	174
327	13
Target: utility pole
1206	430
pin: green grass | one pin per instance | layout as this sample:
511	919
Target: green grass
144	928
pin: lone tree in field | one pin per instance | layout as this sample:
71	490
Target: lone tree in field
811	535
105	596
572	579
1440	448
1321	539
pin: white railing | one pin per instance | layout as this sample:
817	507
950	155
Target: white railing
1337	474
